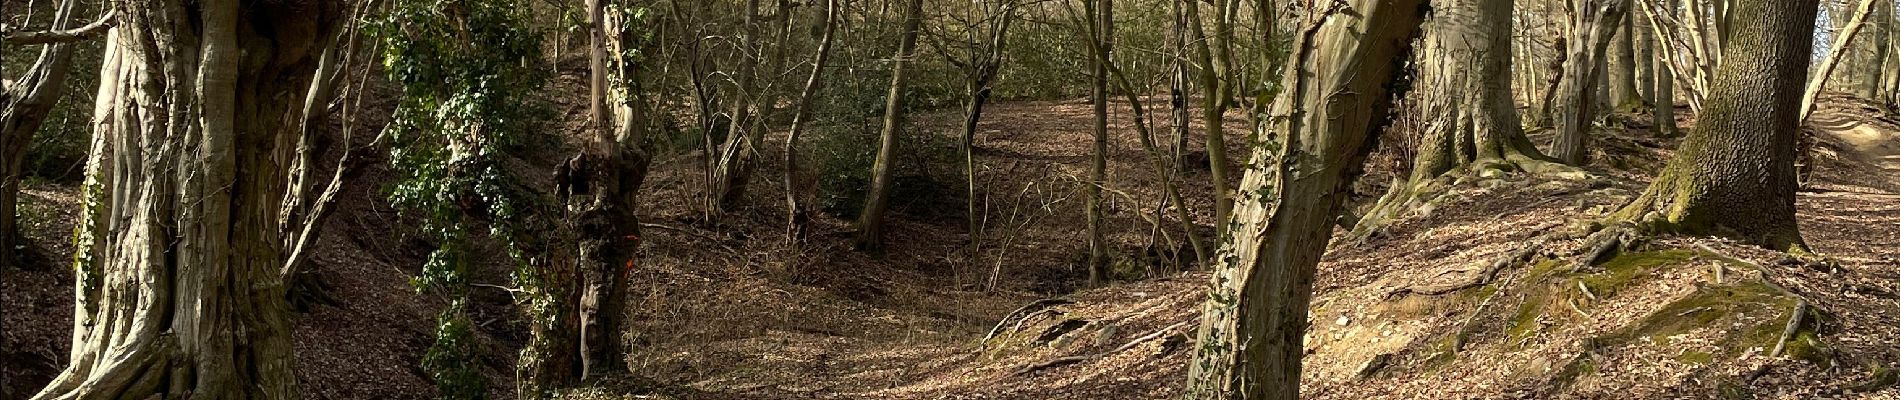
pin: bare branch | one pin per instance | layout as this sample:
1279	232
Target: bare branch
56	36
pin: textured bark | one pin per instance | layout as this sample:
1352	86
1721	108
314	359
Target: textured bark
1874	61
1645	38
609	224
1734	175
1663	115
878	201
179	293
1323	125
25	103
1590	32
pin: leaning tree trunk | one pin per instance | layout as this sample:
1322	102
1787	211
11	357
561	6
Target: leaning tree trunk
871	221
1734	175
732	169
1663	115
797	218
1337	99
1590	34
1470	119
1214	105
179	292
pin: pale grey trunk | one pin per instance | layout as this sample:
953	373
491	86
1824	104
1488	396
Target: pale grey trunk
1323	125
179	291
1101	34
1624	96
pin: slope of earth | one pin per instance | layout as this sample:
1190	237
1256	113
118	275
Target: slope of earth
1481	296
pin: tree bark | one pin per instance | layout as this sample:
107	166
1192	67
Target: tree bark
1646	55
1663	115
179	292
1839	52
609	225
1734	175
1336	103
1590	35
871	221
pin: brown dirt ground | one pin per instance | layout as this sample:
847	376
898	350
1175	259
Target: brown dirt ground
720	314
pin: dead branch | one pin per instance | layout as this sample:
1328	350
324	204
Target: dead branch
1022	312
1794	325
1124	347
56	36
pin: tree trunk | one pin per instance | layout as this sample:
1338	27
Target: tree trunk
179	292
1470	120
1624	97
24	105
1873	55
1323	125
1646	54
877	202
1213	113
735	161
1734	175
1663	114
609	225
1101	33
1596	21
797	218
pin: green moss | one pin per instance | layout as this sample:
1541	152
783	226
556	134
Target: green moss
1696	357
1625	268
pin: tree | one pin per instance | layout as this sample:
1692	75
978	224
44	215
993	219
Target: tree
796	216
26	101
1336	101
1734	175
734	165
1212	56
1624	93
1663	115
179	286
1471	126
1839	51
984	37
616	166
1593	24
1100	31
871	221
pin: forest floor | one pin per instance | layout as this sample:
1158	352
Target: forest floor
719	313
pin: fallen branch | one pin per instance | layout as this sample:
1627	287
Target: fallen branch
1022	312
1124	347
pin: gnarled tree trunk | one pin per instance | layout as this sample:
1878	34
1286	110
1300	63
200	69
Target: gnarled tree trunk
1337	99
1734	175
179	291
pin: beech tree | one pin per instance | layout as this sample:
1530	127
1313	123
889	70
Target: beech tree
1337	98
1734	174
180	291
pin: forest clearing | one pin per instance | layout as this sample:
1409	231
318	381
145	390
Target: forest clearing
996	199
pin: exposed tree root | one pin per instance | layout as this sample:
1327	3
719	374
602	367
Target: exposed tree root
1476	278
1421	195
1605	244
1794	325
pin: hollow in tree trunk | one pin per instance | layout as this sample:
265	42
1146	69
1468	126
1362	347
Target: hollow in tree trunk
179	292
1734	175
